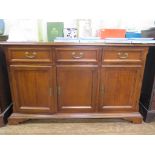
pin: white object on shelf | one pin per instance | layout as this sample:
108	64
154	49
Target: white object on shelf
70	32
23	30
84	28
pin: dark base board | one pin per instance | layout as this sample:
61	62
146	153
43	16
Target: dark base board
17	118
148	115
4	116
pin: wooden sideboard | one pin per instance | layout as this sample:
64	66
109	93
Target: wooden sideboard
63	80
5	96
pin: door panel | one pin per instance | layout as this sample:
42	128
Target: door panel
77	89
119	89
33	89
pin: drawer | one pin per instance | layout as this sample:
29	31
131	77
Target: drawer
122	54
77	54
25	54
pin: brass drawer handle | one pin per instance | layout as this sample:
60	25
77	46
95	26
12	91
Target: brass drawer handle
122	55
30	55
75	56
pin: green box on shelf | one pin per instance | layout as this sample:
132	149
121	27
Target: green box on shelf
54	29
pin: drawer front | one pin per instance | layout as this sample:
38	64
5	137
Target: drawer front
122	55
77	54
22	54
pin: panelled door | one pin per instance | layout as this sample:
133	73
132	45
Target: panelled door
119	89
33	89
77	88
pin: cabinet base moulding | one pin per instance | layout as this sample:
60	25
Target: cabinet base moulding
17	118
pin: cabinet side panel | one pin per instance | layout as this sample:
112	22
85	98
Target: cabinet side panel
5	95
148	79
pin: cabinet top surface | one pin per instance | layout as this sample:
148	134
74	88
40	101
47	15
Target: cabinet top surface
74	44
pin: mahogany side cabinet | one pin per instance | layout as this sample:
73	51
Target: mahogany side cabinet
75	80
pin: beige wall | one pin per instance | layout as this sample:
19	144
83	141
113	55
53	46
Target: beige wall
129	14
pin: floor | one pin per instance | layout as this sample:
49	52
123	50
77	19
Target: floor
79	127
